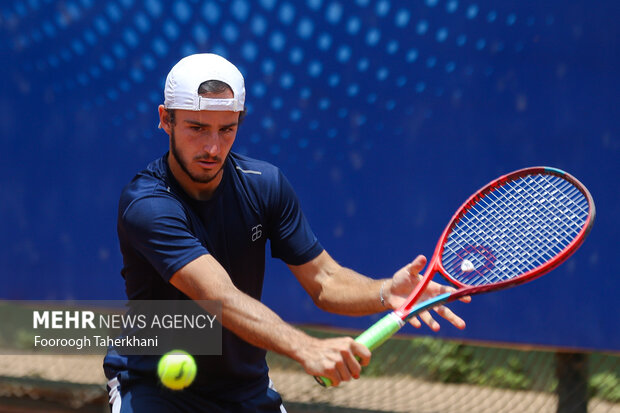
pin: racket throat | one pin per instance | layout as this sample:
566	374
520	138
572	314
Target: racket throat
400	314
415	295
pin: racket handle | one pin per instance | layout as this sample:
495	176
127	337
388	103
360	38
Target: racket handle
372	338
379	332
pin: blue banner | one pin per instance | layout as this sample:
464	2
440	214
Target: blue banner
385	115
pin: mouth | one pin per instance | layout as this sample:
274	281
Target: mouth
207	163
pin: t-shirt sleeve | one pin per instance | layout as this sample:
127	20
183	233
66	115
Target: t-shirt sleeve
158	229
292	239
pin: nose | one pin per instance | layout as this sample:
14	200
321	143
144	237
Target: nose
211	144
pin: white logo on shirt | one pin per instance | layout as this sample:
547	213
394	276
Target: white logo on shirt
257	232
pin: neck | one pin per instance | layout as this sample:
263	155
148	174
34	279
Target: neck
196	190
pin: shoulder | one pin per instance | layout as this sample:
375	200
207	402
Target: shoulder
149	194
261	183
255	175
258	170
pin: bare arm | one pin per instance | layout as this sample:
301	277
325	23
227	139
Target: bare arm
337	289
205	279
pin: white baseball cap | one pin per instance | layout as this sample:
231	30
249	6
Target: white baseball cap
183	81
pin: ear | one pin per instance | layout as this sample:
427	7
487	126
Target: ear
164	119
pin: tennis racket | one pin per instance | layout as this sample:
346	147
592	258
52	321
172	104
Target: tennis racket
515	229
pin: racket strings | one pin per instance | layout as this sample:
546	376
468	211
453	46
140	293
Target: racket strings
502	205
515	228
536	225
521	227
565	219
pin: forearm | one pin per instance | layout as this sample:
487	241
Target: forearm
248	318
345	291
252	321
255	323
334	358
340	290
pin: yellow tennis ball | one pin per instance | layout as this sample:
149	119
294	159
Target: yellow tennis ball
176	369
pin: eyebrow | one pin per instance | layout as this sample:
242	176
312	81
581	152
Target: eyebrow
202	125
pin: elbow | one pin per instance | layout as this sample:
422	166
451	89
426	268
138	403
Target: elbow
320	301
321	296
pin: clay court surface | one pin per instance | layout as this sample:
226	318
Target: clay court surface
62	384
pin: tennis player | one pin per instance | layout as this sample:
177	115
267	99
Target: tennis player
195	224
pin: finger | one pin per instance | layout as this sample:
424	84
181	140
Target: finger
417	265
329	371
428	319
455	320
362	353
353	366
436	289
466	299
343	370
335	378
415	322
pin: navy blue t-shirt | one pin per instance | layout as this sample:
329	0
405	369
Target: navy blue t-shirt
161	229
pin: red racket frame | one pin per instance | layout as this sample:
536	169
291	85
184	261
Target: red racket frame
435	264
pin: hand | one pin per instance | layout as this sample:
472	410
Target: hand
338	359
406	279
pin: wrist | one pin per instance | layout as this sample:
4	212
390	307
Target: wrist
383	294
301	347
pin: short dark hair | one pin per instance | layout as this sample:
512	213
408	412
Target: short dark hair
172	116
217	86
213	86
205	88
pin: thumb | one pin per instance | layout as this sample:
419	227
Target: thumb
417	265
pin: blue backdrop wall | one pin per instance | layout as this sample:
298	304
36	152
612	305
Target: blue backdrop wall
384	114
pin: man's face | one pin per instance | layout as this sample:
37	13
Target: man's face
200	142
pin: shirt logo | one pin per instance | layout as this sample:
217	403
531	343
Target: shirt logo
257	232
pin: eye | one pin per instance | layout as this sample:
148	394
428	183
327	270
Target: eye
195	128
